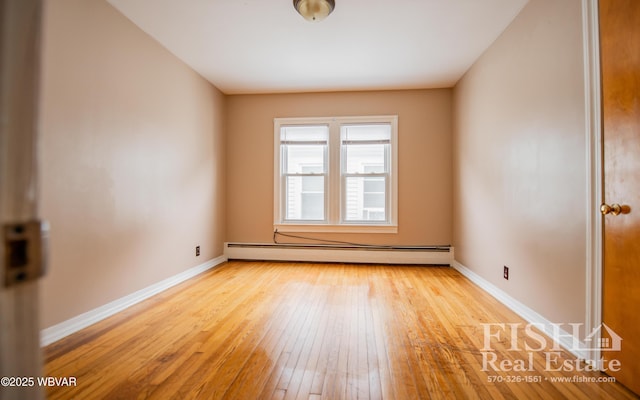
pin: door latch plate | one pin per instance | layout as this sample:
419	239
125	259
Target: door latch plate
25	251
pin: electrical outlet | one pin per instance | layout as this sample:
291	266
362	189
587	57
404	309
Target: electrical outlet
197	251
505	274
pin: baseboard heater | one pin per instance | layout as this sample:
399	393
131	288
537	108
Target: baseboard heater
428	255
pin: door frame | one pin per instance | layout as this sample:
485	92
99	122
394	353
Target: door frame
595	171
20	38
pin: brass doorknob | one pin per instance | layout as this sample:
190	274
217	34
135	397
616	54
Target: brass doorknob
614	209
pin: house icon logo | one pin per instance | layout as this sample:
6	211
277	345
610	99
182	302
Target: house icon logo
603	338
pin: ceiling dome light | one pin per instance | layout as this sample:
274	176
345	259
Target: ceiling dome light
314	10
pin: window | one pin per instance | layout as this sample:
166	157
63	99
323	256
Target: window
304	172
365	171
336	174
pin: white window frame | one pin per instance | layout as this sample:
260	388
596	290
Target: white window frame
334	186
283	179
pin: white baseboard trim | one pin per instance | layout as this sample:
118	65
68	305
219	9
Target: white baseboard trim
269	252
560	336
65	328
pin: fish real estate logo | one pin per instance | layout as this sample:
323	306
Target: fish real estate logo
520	337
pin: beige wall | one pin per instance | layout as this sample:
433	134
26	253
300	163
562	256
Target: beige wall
424	136
132	160
519	162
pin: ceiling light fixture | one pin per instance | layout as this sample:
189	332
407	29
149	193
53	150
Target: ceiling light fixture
314	10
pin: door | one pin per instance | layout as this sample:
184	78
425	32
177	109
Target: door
620	63
19	255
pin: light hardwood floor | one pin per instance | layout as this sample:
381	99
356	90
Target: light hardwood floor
259	330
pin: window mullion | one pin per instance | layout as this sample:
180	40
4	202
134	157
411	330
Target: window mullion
335	189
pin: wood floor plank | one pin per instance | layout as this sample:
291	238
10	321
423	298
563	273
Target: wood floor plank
328	349
312	354
378	316
267	330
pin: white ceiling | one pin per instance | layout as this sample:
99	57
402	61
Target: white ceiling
264	46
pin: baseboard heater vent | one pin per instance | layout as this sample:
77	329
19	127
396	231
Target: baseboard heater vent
431	255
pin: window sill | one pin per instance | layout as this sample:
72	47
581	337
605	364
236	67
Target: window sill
346	228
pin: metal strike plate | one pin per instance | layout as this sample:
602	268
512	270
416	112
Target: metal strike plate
25	251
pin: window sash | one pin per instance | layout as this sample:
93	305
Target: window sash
345	209
296	201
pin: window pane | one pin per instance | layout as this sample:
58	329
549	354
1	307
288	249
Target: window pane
373	200
305	198
312	206
304	159
365	158
374	185
365	199
312	184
